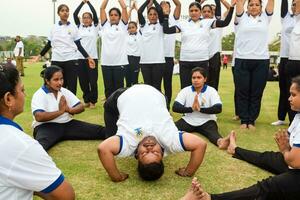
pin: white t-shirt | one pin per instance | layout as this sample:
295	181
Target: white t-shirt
170	40
294	132
25	166
133	45
17	49
89	37
62	38
195	39
252	36
114	42
143	112
295	41
288	23
44	101
215	41
152	43
207	98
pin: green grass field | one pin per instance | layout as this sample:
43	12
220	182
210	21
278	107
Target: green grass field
219	172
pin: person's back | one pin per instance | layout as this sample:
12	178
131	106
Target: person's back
143	109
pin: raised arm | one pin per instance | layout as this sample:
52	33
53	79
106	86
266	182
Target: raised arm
103	16
240	7
177	10
124	11
95	16
76	12
197	147
159	11
227	6
270	7
167	29
226	21
284	8
218	10
140	13
106	152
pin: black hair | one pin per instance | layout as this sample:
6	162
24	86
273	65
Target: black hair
207	5
167	2
151	171
47	74
201	70
87	13
61	6
260	1
115	9
296	80
151	8
9	78
198	5
134	23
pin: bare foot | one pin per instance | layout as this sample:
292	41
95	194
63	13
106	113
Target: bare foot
86	105
251	127
243	126
232	143
223	143
92	106
236	118
195	192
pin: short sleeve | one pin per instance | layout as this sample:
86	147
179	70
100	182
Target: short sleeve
20	44
76	35
50	37
181	97
207	23
72	100
238	18
125	149
215	97
38	103
34	170
267	16
296	142
173	142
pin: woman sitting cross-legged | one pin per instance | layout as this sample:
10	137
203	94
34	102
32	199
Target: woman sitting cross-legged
285	164
53	107
200	103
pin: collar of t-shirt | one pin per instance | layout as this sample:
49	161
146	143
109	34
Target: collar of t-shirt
202	90
6	121
60	23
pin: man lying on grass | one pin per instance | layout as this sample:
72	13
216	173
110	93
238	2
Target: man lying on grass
142	127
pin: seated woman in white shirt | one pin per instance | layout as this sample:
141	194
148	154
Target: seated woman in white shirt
285	164
26	169
53	108
145	129
199	103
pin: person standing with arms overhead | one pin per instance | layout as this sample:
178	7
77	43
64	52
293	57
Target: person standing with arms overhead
169	47
293	65
133	51
251	58
88	77
19	54
113	49
64	39
195	40
288	22
152	40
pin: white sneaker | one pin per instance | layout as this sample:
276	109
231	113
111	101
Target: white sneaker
278	123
